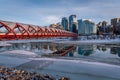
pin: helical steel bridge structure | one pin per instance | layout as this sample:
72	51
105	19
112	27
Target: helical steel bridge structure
14	31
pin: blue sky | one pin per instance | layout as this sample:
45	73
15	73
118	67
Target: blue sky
45	12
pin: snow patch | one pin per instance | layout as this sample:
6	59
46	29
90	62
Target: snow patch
77	61
91	41
22	52
3	43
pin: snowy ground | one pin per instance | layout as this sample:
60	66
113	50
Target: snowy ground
32	40
111	41
8	42
67	41
4	43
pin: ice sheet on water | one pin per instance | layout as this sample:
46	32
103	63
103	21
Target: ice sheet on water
107	54
82	68
75	61
35	64
18	53
11	61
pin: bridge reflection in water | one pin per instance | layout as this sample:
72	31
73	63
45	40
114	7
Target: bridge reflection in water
39	48
43	48
94	52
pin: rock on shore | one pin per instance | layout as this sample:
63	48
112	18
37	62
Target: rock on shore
16	74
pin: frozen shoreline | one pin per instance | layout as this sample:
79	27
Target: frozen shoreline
79	69
75	69
4	43
18	74
66	41
111	41
75	61
32	40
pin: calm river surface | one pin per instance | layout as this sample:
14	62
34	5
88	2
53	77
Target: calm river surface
83	62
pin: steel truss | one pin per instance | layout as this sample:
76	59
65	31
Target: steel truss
12	30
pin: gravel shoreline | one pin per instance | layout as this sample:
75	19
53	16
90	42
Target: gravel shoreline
16	74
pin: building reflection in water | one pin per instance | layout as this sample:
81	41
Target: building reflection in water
81	50
88	50
115	50
70	54
102	48
85	50
39	48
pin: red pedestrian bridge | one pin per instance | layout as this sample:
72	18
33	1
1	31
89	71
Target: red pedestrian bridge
12	30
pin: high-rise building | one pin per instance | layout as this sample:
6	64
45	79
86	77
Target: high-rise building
104	28
52	25
104	23
64	23
114	22
74	27
118	27
86	27
72	21
59	26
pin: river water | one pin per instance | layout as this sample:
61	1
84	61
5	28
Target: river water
83	62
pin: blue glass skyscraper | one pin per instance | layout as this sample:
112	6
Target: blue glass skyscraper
86	27
65	23
72	19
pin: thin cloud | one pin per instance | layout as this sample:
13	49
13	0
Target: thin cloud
51	19
45	12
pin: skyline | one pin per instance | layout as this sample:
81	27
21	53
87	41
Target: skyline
46	12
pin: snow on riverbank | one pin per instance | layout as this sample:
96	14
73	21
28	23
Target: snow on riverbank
111	41
33	40
4	43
